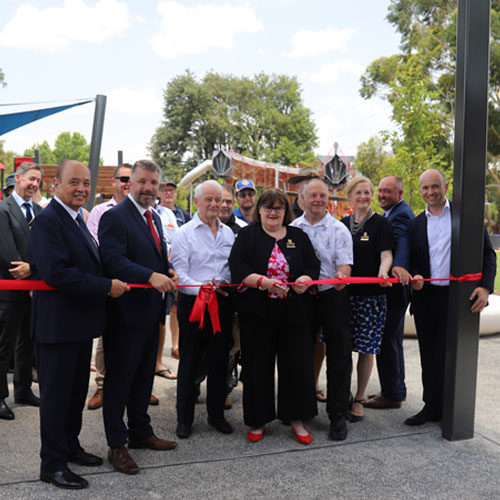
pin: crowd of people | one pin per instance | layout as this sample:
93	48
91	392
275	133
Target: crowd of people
137	261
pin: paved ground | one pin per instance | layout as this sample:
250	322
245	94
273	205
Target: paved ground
381	458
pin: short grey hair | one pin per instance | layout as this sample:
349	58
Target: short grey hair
147	165
306	185
25	166
198	191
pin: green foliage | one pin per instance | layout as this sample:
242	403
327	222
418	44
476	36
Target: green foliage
3	83
7	158
263	118
67	146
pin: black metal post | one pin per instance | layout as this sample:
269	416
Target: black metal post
471	118
36	157
120	158
95	146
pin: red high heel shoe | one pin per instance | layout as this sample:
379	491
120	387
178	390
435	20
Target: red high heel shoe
303	439
254	436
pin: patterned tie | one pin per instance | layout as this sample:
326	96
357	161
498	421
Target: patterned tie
85	231
29	215
149	218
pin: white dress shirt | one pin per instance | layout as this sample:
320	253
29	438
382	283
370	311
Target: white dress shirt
332	242
169	223
198	257
439	237
20	201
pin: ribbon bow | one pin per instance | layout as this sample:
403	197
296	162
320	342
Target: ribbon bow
206	298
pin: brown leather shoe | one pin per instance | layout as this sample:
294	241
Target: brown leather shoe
122	461
152	443
95	401
153	400
381	403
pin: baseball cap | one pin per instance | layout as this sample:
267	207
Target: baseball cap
244	184
10	180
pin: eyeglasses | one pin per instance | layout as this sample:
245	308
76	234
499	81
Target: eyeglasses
246	194
123	178
276	210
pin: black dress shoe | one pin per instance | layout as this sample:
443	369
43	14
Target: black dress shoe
338	427
81	457
183	431
64	479
5	412
221	424
422	417
27	399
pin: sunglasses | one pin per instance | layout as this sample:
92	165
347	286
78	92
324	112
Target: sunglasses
246	194
123	178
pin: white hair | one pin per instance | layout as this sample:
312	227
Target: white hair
198	191
303	186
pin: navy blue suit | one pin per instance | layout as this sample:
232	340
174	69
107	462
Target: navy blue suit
63	324
429	307
130	253
390	361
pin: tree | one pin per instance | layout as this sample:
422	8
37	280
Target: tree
2	78
263	118
7	158
428	34
68	145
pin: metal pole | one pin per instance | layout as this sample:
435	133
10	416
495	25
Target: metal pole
95	146
36	157
120	158
471	118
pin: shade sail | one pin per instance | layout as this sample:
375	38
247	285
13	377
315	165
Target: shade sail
12	121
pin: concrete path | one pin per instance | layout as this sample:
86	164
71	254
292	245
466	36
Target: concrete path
381	458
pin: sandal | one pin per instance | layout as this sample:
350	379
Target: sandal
356	418
321	396
166	374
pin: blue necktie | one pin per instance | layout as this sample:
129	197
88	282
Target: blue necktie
29	215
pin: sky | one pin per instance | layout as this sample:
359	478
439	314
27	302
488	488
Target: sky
55	51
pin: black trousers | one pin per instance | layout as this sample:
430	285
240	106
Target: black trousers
430	309
63	377
330	311
193	344
15	341
263	340
130	360
390	361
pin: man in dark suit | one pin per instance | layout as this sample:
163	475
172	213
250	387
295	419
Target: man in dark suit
132	247
17	213
425	252
64	322
390	361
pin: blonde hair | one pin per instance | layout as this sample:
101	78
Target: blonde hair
358	179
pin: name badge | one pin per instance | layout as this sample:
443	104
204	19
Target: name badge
290	243
365	237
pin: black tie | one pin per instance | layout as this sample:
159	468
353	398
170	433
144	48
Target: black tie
29	215
86	232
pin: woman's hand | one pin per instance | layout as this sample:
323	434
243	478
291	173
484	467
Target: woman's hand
299	286
384	275
274	286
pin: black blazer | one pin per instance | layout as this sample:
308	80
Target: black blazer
250	254
14	234
60	255
413	253
129	253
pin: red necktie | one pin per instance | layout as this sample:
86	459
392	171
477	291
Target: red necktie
149	218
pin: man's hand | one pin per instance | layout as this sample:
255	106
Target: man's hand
341	273
20	270
161	282
118	288
402	274
173	276
300	287
419	284
480	295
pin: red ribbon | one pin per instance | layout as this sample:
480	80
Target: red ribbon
206	298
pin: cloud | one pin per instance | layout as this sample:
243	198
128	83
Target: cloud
137	102
57	28
307	43
330	72
193	30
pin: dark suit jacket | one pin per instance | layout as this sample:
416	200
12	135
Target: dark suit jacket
250	254
60	255
129	253
413	253
14	234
